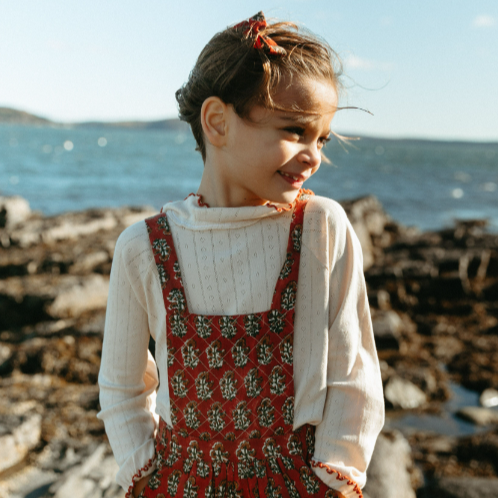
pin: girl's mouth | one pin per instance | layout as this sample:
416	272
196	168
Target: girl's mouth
295	180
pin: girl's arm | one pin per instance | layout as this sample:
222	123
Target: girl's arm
128	375
353	412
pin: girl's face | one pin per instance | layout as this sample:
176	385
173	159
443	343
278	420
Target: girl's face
271	155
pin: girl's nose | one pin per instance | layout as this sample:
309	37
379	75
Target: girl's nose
311	155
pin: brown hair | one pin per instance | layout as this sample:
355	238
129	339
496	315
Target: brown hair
229	67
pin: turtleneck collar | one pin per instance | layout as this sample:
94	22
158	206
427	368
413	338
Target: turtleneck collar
190	214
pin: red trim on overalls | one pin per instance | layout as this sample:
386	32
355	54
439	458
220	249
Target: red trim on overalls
231	389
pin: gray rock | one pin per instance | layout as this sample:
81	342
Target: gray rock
13	210
94	478
6	359
489	398
88	262
388	475
463	487
72	301
27	299
71	226
15	446
29	481
387	327
50	230
478	415
403	394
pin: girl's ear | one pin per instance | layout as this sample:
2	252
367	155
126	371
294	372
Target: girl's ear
214	121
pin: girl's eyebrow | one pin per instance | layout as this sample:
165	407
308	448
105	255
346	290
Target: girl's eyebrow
299	118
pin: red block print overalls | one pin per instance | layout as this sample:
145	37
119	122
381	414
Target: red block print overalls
231	392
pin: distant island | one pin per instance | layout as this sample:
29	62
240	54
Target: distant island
17	117
11	116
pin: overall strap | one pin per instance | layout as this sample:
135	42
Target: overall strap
167	263
284	296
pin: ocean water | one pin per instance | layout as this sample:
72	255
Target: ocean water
420	183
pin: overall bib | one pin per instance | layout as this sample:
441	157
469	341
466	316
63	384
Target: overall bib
231	392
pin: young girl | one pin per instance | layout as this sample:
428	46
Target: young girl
254	293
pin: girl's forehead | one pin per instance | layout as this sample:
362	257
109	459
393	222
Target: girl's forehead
307	94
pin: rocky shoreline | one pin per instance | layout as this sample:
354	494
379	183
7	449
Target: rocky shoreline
434	299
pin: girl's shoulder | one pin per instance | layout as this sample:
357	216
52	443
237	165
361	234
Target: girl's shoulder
327	232
326	212
133	245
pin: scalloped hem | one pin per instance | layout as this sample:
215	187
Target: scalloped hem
138	476
279	209
339	476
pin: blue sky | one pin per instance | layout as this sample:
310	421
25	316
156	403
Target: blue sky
425	69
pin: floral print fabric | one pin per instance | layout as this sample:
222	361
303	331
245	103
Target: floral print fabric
231	391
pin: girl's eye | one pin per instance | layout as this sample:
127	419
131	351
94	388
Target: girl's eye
323	141
296	130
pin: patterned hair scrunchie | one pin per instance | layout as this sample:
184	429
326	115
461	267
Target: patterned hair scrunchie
252	27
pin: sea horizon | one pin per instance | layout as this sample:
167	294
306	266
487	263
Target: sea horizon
424	183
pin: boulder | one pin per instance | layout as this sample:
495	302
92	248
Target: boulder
462	487
368	219
36	298
389	473
403	394
73	226
94	478
6	359
387	327
88	294
13	210
75	359
89	262
478	415
15	446
489	398
28	482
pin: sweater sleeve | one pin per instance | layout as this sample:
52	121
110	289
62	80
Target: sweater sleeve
128	376
354	406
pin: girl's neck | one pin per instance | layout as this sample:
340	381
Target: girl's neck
216	192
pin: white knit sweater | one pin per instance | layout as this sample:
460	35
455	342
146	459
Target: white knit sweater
230	259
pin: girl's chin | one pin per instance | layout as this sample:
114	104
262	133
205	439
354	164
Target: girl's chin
285	198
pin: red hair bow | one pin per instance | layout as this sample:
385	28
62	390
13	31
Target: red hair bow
262	42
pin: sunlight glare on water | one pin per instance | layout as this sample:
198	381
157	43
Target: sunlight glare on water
425	184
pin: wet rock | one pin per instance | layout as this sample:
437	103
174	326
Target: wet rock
15	446
387	327
439	444
36	298
491	292
390	472
401	393
93	478
368	219
380	300
28	482
13	210
74	299
61	228
462	487
75	359
476	367
89	262
482	448
73	226
489	398
6	359
478	415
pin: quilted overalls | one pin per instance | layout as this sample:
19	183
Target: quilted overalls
231	392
